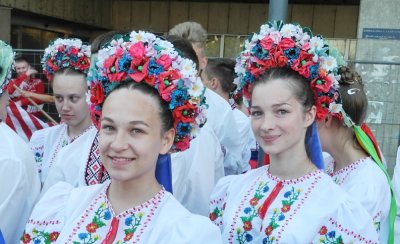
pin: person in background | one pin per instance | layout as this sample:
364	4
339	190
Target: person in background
220	115
290	200
351	166
146	100
218	77
19	180
29	86
65	63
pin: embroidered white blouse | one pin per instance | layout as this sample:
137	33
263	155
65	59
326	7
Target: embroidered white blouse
85	215
257	207
365	182
47	143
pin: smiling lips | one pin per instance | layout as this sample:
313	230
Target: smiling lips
269	138
120	161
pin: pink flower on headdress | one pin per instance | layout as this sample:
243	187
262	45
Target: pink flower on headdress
74	51
267	43
165	61
109	62
137	52
280	59
97	93
286	43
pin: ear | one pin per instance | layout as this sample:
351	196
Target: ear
167	140
310	116
214	84
328	121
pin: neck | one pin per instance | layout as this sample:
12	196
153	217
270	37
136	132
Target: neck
125	195
74	131
344	149
291	165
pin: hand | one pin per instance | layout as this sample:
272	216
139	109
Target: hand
31	71
25	94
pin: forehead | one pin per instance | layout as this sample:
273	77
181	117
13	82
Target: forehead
22	63
272	92
131	105
69	83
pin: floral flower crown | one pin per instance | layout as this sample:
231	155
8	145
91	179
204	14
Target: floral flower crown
6	63
143	57
290	45
65	53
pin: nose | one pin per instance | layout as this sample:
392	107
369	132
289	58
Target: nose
119	142
267	123
65	106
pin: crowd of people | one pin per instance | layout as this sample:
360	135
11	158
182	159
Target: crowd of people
159	144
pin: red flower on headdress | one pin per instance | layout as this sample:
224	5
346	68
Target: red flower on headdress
322	105
323	83
97	93
137	52
74	50
83	63
303	63
140	71
109	62
185	113
280	59
183	143
51	65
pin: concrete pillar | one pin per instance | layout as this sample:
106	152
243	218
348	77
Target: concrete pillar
5	24
277	10
379	41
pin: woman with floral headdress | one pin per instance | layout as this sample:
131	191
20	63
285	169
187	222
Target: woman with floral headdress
66	64
289	77
145	100
19	180
356	162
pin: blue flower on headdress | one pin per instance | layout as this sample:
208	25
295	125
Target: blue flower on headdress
248	77
178	98
183	129
154	68
259	52
314	71
124	63
292	54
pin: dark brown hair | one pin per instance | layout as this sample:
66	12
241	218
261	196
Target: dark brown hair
353	97
224	70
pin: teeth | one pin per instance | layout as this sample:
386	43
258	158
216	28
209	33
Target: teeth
121	159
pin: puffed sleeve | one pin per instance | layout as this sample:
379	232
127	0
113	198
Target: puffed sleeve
48	216
349	224
218	200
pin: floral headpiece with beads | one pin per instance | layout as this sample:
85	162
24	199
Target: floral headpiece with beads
66	53
143	57
290	45
6	62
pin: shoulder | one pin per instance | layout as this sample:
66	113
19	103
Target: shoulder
184	227
41	134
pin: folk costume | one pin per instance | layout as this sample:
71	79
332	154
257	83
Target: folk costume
86	214
258	207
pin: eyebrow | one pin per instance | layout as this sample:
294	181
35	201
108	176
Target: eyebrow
274	106
133	122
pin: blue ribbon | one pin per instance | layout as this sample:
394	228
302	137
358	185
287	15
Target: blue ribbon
313	147
164	172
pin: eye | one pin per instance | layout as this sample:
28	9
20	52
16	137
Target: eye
59	98
282	112
107	128
74	99
137	131
256	113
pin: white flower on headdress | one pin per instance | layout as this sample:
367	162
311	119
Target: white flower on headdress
276	36
289	30
196	88
186	65
316	43
265	30
335	108
142	36
328	63
116	42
